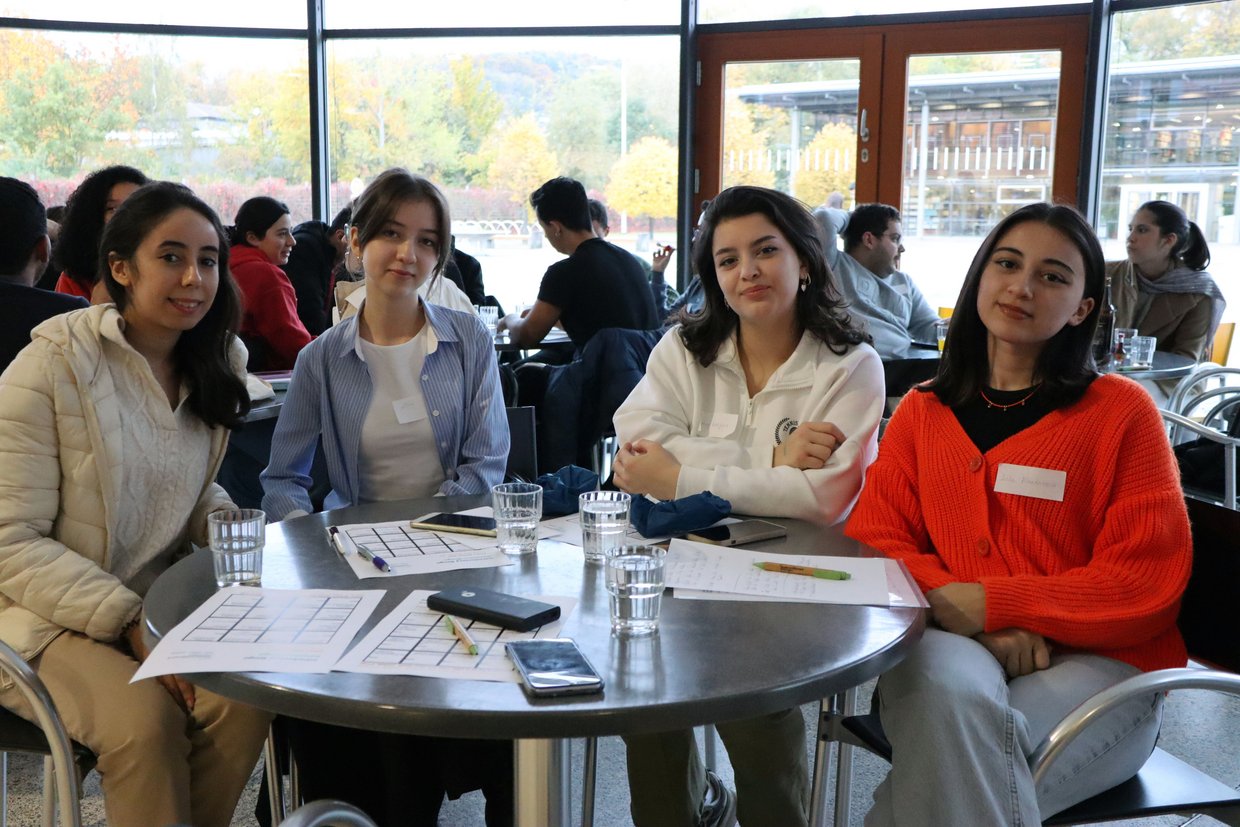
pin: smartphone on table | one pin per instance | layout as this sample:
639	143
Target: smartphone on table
553	666
457	523
738	534
508	611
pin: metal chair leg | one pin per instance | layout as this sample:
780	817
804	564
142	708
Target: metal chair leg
843	775
822	766
275	785
708	740
49	792
587	782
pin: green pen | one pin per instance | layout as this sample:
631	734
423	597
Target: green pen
808	571
462	634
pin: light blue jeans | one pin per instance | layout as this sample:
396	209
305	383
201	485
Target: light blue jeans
961	732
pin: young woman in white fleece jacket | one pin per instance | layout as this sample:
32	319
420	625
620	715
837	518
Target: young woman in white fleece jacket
771	399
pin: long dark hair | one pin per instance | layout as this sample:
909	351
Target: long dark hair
378	203
217	395
77	247
1190	245
819	309
1065	367
256	216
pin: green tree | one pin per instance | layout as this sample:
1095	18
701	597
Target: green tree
519	159
53	119
473	109
643	182
830	158
578	123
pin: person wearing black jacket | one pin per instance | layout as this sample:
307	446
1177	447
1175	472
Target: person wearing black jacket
319	251
466	272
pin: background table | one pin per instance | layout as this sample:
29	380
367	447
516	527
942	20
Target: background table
556	339
1165	366
711	661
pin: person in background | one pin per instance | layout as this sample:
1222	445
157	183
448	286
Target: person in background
599	285
262	238
771	399
406	398
1038	507
89	209
1162	289
24	252
318	251
884	299
50	275
691	301
114	419
465	272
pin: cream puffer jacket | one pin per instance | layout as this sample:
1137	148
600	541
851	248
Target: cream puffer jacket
60	467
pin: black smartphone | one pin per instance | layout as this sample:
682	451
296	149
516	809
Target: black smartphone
457	523
507	611
553	667
738	534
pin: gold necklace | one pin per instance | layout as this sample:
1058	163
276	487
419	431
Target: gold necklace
1018	402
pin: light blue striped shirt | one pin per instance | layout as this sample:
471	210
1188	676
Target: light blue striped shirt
330	394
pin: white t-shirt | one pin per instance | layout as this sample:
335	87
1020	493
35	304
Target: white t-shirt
397	458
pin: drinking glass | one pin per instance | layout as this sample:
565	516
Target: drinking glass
1141	351
237	538
635	585
489	316
518	508
604	522
940	331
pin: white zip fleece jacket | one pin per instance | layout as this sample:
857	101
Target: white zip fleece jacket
725	440
60	468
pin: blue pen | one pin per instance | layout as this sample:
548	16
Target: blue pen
375	559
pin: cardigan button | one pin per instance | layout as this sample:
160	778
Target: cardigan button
983	546
975	464
434	413
425	377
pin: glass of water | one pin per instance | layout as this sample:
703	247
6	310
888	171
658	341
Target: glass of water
604	522
237	538
489	316
635	585
518	508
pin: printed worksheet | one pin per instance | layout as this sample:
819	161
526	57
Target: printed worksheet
244	629
416	551
415	640
707	568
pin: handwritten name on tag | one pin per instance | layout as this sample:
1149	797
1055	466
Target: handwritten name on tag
1027	481
409	409
721	425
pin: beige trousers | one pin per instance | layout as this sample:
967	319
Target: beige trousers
158	765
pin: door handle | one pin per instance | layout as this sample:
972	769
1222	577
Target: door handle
863	131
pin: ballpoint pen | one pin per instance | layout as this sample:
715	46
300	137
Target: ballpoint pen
375	560
808	571
462	634
334	533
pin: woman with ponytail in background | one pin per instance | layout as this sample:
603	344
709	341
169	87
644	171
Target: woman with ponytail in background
1162	289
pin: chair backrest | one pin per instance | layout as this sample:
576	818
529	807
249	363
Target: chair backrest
1222	343
36	694
1209	612
523	452
328	812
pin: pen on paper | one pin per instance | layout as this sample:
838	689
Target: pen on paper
334	533
808	571
462	634
375	560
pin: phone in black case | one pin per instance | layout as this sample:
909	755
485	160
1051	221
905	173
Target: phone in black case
497	608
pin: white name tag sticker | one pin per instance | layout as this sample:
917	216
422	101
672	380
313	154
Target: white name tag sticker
721	425
409	409
1027	481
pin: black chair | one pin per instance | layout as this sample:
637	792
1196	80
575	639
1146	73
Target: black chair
327	812
65	761
523	451
1208	619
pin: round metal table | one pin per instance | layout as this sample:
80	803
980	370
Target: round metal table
1164	366
710	661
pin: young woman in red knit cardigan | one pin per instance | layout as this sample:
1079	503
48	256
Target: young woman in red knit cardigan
1038	506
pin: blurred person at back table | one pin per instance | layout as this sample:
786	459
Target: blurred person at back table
1162	289
599	285
312	265
465	272
89	209
880	296
24	251
262	238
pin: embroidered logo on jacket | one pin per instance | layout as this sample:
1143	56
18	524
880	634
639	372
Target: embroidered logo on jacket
784	429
